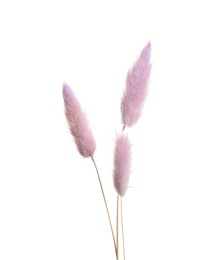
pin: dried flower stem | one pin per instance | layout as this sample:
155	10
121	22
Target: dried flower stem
106	206
122	226
119	217
117	229
122	229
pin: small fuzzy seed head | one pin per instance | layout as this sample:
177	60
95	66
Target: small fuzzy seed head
136	89
122	164
78	123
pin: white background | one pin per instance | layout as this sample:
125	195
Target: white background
50	202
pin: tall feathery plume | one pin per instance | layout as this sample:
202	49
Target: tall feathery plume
136	89
78	123
85	142
132	102
122	164
121	174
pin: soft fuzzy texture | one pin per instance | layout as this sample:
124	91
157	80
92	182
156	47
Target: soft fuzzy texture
136	88
78	123
122	164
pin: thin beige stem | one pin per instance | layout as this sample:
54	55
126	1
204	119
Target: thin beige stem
106	206
122	229
117	229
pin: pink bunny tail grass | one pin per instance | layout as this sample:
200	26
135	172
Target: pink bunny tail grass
78	123
122	164
136	89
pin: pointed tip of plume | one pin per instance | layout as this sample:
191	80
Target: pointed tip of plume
122	164
67	93
66	89
147	48
136	89
78	123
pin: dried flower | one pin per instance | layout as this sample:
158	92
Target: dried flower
122	164
78	123
136	88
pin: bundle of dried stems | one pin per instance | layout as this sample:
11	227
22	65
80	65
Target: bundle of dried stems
132	102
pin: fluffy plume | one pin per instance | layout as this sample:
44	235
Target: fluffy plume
78	123
122	164
136	88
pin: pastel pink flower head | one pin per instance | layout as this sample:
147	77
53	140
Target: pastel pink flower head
136	89
78	123
122	164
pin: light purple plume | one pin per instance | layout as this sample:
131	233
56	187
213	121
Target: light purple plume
136	88
122	164
78	123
